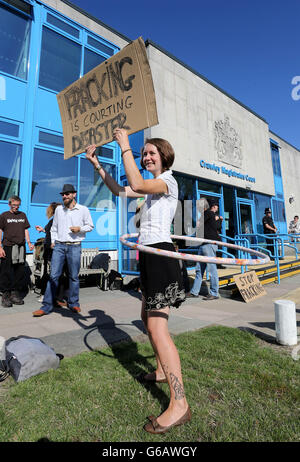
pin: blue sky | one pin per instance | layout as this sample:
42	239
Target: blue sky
249	48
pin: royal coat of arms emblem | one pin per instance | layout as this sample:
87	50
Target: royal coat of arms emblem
228	143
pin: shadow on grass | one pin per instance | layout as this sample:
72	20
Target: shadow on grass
126	353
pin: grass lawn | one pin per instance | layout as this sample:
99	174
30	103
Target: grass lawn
238	390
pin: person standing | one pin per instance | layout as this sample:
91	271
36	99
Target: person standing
14	231
47	254
208	250
269	228
161	280
294	227
70	224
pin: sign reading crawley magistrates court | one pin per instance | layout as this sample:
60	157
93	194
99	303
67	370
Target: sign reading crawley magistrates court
117	93
249	286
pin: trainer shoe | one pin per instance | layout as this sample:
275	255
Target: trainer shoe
39	313
6	302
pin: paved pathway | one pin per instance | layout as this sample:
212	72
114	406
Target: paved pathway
112	316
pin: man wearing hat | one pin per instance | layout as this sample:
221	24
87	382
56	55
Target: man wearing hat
210	250
269	228
70	224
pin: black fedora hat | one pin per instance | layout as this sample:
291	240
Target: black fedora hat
68	188
268	210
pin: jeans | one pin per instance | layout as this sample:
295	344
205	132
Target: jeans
208	250
61	253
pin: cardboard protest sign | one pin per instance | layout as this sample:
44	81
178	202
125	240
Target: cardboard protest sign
249	286
117	93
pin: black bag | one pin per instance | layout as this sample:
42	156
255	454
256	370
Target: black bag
27	356
115	280
101	261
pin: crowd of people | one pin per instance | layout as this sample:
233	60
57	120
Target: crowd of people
161	281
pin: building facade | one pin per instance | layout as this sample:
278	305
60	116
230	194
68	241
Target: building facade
223	149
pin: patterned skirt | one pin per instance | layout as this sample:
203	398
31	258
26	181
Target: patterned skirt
161	279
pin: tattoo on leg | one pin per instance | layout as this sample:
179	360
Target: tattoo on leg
177	387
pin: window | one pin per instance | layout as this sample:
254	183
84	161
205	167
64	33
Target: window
244	193
279	211
93	191
276	162
104	152
62	25
10	159
261	203
209	187
60	61
9	129
14	43
50	173
48	138
100	46
185	218
91	60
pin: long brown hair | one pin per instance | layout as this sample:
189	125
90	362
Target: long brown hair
51	209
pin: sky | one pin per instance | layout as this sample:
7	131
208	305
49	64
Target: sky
248	48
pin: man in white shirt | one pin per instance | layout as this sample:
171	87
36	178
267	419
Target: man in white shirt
70	224
294	227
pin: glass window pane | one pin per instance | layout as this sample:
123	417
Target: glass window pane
50	173
104	152
60	61
48	138
185	218
206	186
62	25
91	60
22	5
9	129
261	203
244	193
10	160
14	43
100	46
93	191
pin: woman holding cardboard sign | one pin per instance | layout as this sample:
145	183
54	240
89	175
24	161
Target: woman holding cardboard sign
161	281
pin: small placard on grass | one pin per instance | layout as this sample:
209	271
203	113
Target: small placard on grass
249	286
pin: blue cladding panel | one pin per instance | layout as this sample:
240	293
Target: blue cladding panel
47	111
13	107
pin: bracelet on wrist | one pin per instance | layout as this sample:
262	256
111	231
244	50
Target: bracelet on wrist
98	167
123	152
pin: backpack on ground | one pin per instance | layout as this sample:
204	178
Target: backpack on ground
115	280
26	357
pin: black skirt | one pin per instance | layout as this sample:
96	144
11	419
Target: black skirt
161	279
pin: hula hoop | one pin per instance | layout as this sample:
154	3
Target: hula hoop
262	258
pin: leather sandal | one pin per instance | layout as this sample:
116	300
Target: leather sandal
154	427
